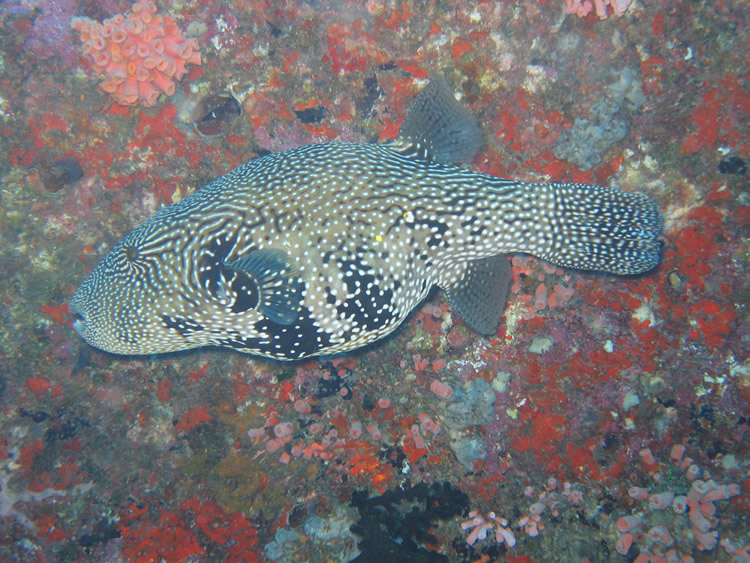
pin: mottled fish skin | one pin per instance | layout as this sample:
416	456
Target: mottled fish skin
325	248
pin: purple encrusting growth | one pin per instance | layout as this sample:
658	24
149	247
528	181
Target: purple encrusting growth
50	36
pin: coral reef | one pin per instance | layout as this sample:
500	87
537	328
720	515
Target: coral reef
590	138
470	406
9	499
592	379
142	55
676	512
323	539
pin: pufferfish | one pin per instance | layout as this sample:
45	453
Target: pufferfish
328	247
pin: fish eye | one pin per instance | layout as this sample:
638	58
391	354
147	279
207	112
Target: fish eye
131	253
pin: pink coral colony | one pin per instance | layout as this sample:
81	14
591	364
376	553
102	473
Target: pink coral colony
481	526
142	54
583	7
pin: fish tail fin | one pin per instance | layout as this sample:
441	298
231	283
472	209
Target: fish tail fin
601	229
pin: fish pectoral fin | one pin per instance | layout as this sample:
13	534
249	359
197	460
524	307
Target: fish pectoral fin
279	286
479	297
441	126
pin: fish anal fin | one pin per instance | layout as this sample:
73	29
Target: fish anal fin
441	126
279	286
479	298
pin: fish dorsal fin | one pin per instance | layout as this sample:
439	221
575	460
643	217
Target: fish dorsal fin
279	290
479	298
439	127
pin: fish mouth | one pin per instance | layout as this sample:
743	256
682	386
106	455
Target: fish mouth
79	324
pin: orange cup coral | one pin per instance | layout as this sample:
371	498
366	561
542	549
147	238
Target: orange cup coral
141	55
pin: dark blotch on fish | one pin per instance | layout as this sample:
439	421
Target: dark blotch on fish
312	115
215	115
733	165
62	172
